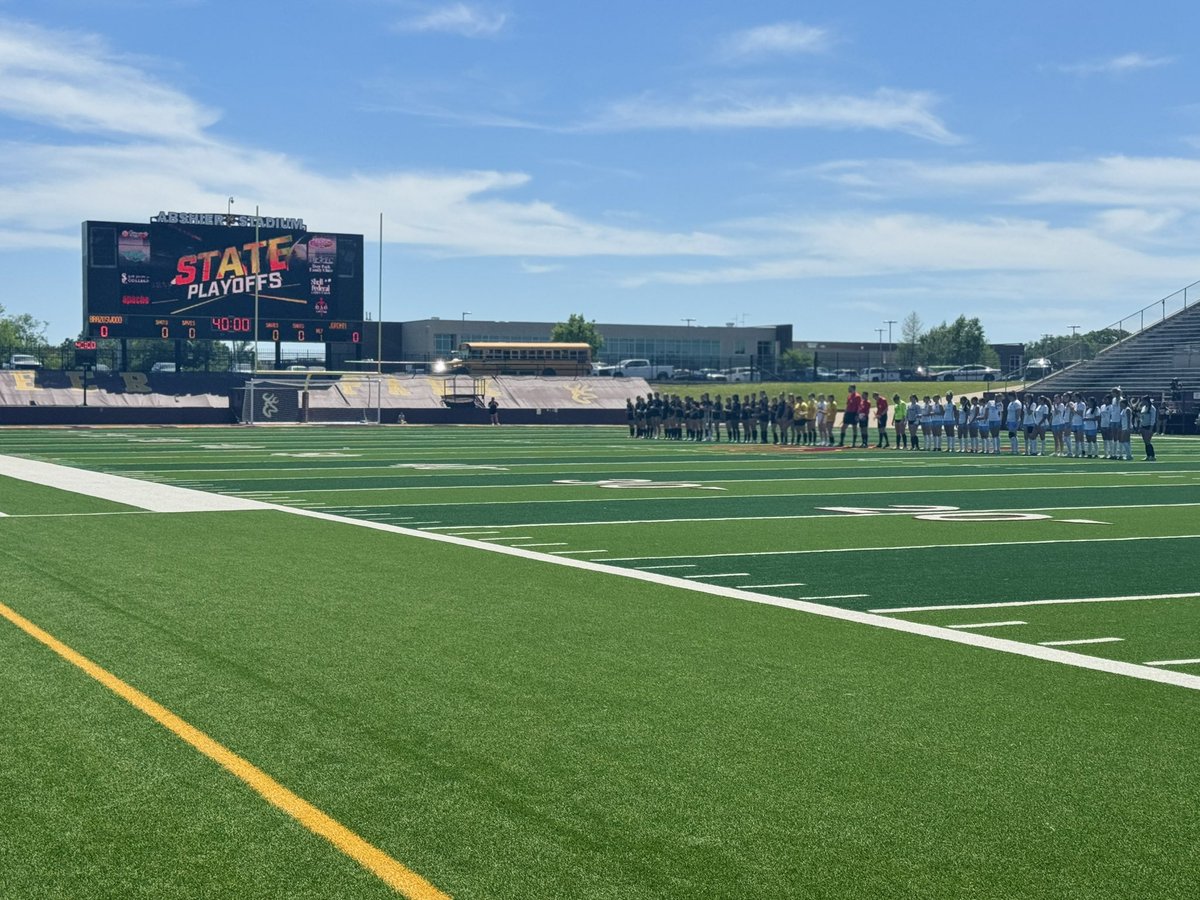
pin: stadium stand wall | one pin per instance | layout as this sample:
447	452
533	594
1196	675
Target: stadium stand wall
135	398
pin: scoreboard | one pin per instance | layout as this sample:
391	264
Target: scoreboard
199	281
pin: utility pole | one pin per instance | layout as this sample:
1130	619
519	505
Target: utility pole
889	323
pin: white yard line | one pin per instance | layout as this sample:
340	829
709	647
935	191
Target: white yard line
1173	662
750	587
836	597
721	575
825	515
990	624
1008	603
69	479
877	547
1107	640
550	544
675	566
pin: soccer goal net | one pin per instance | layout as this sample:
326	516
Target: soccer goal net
317	398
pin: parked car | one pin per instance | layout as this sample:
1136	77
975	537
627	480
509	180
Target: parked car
974	372
879	373
23	361
163	367
845	375
742	374
1038	368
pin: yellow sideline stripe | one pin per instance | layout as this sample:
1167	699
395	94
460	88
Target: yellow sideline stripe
395	874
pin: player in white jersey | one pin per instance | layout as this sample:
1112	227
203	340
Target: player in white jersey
995	413
1056	423
950	420
1077	408
1029	425
914	415
1091	427
1124	451
1112	437
1013	413
927	421
1043	422
1105	428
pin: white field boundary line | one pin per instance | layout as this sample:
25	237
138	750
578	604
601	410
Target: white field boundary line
1007	603
146	495
70	479
1016	648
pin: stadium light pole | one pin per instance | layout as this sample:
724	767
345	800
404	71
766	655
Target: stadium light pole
882	361
889	323
1074	338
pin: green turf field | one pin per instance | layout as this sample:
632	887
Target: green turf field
559	663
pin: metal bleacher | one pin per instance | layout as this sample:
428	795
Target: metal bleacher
1145	361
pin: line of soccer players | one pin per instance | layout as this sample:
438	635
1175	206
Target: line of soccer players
787	419
1076	426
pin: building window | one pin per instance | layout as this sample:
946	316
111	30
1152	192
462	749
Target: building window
444	343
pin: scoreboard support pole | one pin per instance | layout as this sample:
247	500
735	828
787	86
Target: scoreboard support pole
278	354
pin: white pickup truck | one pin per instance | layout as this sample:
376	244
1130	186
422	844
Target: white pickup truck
637	368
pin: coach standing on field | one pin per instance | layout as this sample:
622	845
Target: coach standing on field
1148	422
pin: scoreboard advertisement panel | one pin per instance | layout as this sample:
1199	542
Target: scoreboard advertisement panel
184	280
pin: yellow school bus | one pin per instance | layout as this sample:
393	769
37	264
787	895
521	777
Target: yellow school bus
522	358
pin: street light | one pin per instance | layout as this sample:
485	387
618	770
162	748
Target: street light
889	323
882	361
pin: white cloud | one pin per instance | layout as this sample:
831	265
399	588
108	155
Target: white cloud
463	19
864	246
47	188
76	83
908	112
1117	65
539	268
780	39
1163	182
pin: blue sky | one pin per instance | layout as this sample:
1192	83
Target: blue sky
832	165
